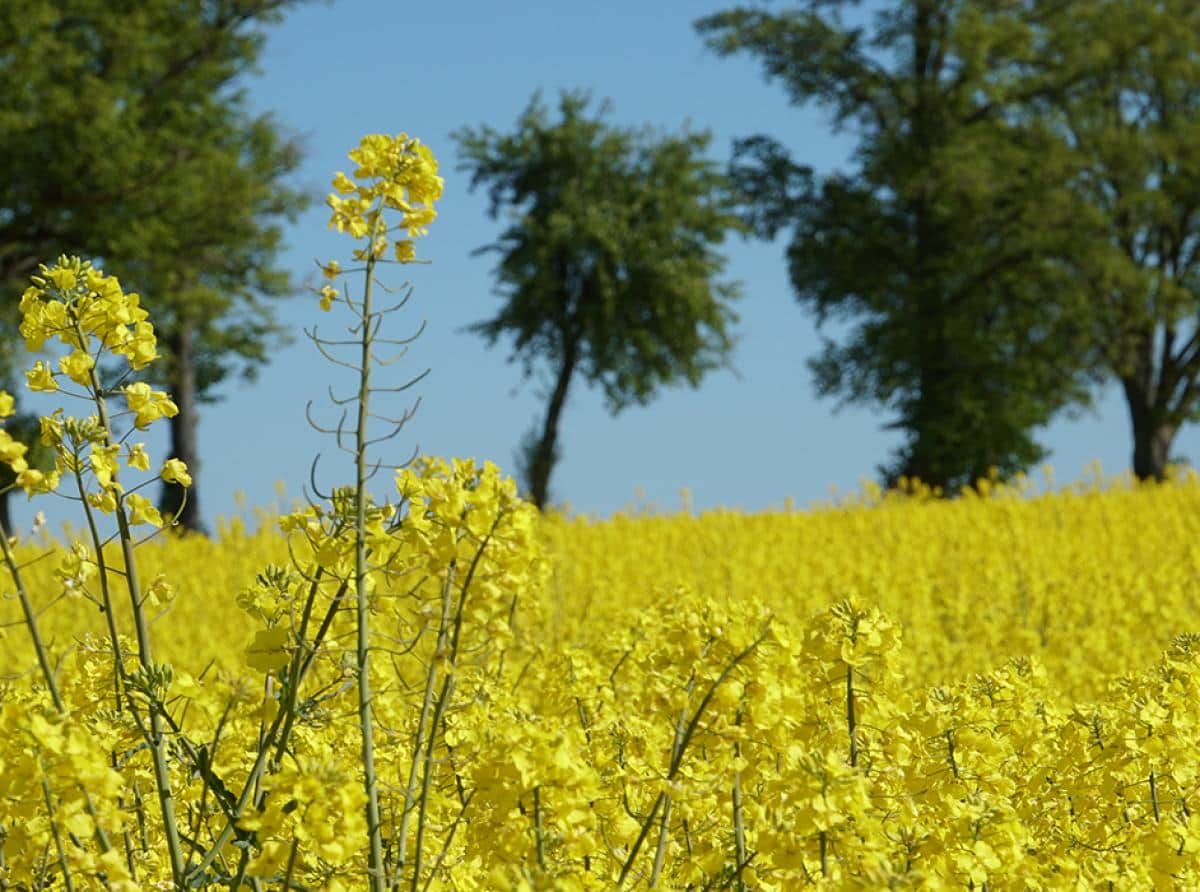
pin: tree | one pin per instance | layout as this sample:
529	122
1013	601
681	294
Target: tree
1134	127
125	137
608	267
944	244
211	294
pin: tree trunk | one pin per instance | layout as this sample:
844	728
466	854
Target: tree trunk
544	454
929	454
6	513
183	431
1152	434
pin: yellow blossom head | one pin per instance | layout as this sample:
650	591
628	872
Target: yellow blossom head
174	470
148	405
73	301
392	174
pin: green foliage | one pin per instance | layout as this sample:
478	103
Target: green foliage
122	132
611	244
943	246
1133	130
221	238
608	265
125	135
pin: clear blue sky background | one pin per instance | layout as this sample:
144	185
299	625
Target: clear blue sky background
335	71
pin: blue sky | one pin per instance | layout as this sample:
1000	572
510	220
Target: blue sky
332	72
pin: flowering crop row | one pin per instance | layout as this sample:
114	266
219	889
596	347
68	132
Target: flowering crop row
689	702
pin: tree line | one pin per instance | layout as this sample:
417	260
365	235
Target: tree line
1019	222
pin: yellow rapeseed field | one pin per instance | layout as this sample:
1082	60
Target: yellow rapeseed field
900	691
439	688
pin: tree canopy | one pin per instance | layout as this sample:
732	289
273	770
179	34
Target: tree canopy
1133	128
608	265
942	245
125	136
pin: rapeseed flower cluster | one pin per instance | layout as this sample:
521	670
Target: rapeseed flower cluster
76	304
393	174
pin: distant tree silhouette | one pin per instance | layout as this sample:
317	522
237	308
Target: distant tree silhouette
608	265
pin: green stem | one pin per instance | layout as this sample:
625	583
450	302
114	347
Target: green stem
101	836
426	781
676	754
851	718
637	845
437	866
291	865
68	880
243	861
301	661
248	788
157	741
418	742
280	728
661	850
375	831
537	827
130	860
105	593
739	826
31	622
680	747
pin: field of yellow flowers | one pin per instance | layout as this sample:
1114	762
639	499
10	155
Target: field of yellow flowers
998	692
442	689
